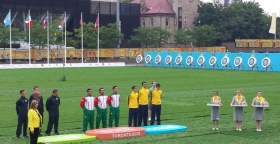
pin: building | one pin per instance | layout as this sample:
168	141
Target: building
225	2
168	14
129	14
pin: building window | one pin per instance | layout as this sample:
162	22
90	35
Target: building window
143	22
167	22
180	11
152	22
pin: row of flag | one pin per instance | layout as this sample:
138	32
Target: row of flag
28	21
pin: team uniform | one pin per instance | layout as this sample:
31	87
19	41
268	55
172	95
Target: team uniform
156	105
132	102
143	97
22	110
114	102
52	106
87	103
100	103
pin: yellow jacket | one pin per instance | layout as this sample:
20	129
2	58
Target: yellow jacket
34	119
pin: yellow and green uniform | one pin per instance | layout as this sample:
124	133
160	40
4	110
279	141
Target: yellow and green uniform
114	102
143	99
156	105
132	101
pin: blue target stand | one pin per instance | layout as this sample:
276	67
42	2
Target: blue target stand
213	62
189	62
252	63
158	62
168	60
178	61
201	62
225	62
238	63
139	60
266	64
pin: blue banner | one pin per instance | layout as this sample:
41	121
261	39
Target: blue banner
207	60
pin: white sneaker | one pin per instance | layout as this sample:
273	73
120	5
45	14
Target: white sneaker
213	128
217	128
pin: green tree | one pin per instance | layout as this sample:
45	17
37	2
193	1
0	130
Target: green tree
160	36
110	35
205	35
5	35
89	35
183	36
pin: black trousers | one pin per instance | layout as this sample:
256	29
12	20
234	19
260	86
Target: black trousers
34	136
143	115
156	110
133	113
22	120
53	121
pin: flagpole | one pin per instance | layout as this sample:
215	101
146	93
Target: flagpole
65	38
29	36
98	40
82	40
48	35
11	58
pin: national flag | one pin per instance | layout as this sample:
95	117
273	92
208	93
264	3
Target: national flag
28	20
96	25
272	29
7	20
45	22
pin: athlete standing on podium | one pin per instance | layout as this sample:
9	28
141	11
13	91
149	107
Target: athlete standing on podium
114	102
143	98
87	104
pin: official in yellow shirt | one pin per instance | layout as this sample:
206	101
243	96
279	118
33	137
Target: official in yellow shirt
156	104
34	122
132	102
143	105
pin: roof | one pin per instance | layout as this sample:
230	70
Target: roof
156	6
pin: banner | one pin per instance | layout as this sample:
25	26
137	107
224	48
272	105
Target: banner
104	52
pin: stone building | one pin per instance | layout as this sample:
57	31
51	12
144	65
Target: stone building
168	14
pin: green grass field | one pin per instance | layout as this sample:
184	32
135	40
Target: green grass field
185	92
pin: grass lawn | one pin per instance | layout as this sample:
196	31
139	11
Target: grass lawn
185	92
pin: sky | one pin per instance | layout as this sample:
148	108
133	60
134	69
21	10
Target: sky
269	6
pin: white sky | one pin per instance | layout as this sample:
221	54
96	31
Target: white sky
269	6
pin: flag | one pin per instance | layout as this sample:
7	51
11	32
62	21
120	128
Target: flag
45	22
272	29
28	20
96	25
7	20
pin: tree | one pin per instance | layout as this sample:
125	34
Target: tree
205	35
89	35
160	36
5	35
142	36
183	36
110	35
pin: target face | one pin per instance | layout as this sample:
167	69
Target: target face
238	61
148	59
168	59
225	61
178	60
266	62
252	61
201	60
139	59
212	60
189	60
158	59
